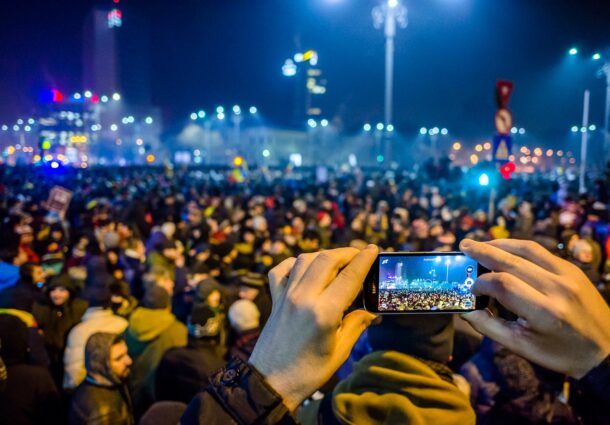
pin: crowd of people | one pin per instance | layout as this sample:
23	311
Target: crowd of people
402	300
121	306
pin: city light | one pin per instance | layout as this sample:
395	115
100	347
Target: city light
201	114
266	153
324	123
457	146
253	110
54	164
514	130
139	142
574	129
77	96
390	128
4	127
220	110
27	128
367	127
434	131
312	123
522	131
10	150
573	51
289	69
46	145
560	153
535	160
423	130
538	152
150	158
487	146
238	161
379	126
484	179
194	116
392	3
592	127
114	127
596	56
380	158
236	110
20	121
478	148
88	94
583	129
444	131
104	99
149	120
549	152
16	127
31	121
116	97
474	159
220	116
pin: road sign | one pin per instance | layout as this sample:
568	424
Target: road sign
504	121
502	148
503	91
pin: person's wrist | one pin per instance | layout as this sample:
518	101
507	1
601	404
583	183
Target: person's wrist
587	365
278	383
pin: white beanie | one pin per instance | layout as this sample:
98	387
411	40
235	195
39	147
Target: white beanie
244	316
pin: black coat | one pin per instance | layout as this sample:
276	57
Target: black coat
184	372
97	405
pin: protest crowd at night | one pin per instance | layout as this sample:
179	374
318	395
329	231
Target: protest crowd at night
171	265
318	212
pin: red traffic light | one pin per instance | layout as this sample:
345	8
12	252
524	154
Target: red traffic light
507	169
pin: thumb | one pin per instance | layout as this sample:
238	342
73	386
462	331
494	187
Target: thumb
351	328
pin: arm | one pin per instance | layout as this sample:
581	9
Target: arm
303	344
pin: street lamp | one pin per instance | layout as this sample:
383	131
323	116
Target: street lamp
389	14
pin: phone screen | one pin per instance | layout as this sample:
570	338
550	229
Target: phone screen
426	282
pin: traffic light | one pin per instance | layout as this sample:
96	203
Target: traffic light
507	170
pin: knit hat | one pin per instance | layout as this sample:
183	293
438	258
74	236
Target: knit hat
97	283
429	336
252	280
244	316
156	298
63	280
203	323
111	240
394	388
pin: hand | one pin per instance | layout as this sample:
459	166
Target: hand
564	323
307	338
180	261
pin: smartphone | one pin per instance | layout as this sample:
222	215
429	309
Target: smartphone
423	282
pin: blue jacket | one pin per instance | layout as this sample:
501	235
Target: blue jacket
9	275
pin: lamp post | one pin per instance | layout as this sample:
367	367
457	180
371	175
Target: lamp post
605	72
389	15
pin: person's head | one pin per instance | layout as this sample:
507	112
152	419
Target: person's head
244	316
59	289
582	251
169	250
250	285
159	277
203	323
156	298
106	359
310	241
97	284
32	273
12	253
14	337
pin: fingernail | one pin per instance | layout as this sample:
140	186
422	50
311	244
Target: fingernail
466	243
372	247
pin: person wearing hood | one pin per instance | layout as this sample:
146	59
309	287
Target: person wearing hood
56	315
11	258
98	318
26	290
30	395
103	397
183	372
153	330
404	380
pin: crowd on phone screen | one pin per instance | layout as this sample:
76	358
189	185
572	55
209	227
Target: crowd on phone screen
121	308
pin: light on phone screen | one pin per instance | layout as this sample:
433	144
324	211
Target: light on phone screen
426	283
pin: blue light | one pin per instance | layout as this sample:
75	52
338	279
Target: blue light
253	110
77	96
390	128
597	57
574	129
312	123
380	158
220	110
592	127
193	116
324	123
148	120
573	51
236	110
379	127
444	131
484	179
201	113
423	130
367	127
522	131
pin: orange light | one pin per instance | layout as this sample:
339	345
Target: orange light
478	148
150	158
457	146
487	146
474	159
238	161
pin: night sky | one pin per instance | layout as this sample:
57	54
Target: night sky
210	52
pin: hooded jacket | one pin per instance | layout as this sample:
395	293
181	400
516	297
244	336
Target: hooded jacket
9	275
102	398
388	387
29	396
150	334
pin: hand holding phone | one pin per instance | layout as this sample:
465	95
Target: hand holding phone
424	282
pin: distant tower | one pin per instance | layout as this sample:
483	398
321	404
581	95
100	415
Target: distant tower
398	272
116	56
